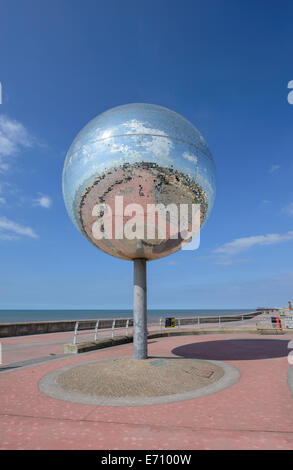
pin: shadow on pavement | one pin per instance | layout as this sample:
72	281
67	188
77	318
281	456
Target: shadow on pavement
234	349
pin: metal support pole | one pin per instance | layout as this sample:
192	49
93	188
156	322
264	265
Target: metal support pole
139	310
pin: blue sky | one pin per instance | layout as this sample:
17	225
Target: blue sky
225	66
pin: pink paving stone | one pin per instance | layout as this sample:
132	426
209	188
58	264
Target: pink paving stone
19	355
29	339
255	413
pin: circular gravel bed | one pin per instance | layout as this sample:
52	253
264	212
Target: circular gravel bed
124	381
127	377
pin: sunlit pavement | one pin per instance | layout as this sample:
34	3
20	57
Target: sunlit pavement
254	413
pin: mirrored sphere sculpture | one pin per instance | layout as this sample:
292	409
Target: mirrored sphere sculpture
136	154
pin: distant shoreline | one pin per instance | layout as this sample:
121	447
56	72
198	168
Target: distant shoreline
30	315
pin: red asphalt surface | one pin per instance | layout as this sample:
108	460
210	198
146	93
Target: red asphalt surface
254	413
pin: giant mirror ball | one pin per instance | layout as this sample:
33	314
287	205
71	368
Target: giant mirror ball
137	154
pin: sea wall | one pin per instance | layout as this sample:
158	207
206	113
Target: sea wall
36	328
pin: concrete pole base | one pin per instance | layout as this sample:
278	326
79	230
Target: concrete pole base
140	310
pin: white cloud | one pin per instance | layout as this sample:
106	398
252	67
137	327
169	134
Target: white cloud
159	147
288	209
136	127
11	230
2	200
274	168
43	201
228	260
239	245
13	138
190	158
152	144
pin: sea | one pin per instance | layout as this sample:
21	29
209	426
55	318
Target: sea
13	316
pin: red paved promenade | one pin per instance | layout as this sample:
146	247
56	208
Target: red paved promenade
254	413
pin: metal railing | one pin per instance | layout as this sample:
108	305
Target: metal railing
211	321
93	329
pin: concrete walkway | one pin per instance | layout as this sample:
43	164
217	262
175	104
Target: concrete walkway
254	413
